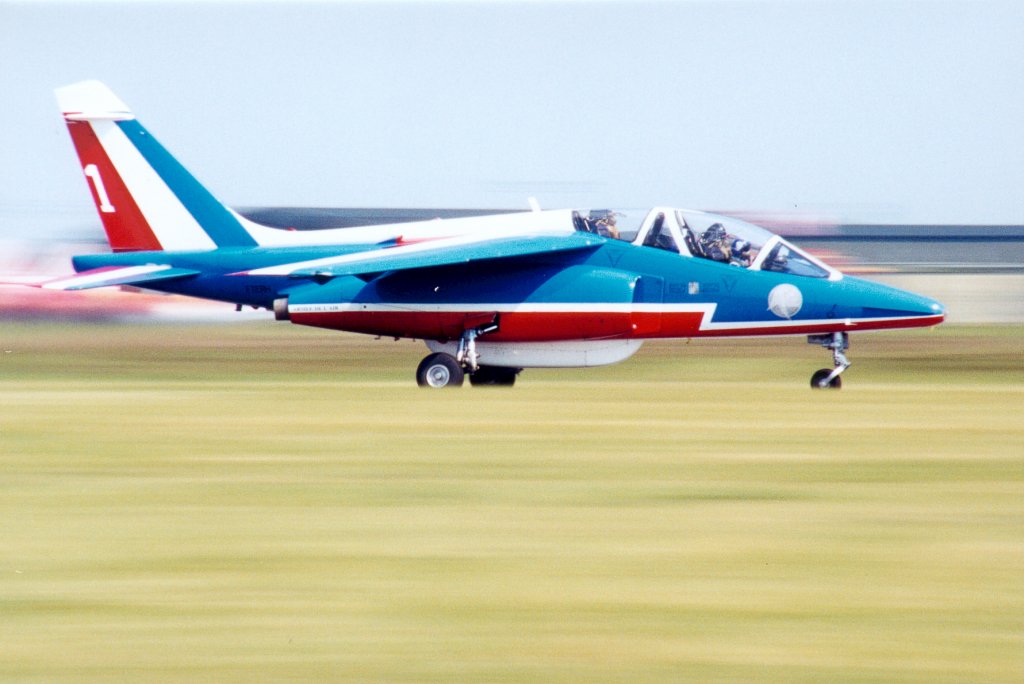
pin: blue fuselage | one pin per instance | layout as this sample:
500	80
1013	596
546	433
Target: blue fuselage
617	290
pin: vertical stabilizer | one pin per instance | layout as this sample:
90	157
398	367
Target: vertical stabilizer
145	198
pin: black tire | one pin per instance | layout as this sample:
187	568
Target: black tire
819	377
439	370
494	376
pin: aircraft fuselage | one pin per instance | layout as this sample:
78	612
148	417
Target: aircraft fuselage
618	291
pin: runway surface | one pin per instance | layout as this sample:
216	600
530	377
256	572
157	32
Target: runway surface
263	502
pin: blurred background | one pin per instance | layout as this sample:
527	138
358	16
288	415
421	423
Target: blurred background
884	136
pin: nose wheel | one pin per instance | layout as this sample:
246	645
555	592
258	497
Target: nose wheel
822	379
837	343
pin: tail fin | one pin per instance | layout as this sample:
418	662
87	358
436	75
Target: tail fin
146	199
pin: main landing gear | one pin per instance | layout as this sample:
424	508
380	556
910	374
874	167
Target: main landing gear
837	342
444	370
440	370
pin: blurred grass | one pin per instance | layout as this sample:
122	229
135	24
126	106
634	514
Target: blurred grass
264	502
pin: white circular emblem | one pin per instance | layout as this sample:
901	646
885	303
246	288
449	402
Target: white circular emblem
785	300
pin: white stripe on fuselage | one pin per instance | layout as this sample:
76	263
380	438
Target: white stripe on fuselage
707	311
557	222
481	236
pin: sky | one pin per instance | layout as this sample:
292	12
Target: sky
899	112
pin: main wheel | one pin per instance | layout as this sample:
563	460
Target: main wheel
439	370
494	376
819	377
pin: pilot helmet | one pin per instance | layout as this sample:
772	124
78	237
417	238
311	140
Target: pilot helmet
714	233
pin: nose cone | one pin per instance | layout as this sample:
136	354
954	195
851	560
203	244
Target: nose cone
937	309
912	304
883	306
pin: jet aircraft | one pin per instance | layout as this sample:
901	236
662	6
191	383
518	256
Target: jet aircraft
490	295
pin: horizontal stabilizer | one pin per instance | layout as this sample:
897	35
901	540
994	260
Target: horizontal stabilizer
112	275
462	249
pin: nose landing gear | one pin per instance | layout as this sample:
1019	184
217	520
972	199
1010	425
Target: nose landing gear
838	342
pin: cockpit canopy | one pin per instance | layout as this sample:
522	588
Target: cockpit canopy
709	236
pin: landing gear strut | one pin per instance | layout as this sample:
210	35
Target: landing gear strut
444	370
466	355
837	342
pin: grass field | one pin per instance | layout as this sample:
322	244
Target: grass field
264	502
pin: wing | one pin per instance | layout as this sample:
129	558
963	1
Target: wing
441	252
114	275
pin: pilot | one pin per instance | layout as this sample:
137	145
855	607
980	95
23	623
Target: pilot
610	225
715	243
605	225
739	253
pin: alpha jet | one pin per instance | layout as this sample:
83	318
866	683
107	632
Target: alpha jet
490	295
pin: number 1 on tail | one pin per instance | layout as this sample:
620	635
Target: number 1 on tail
92	172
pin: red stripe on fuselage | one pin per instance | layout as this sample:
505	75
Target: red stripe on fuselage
544	326
839	325
513	326
127	229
